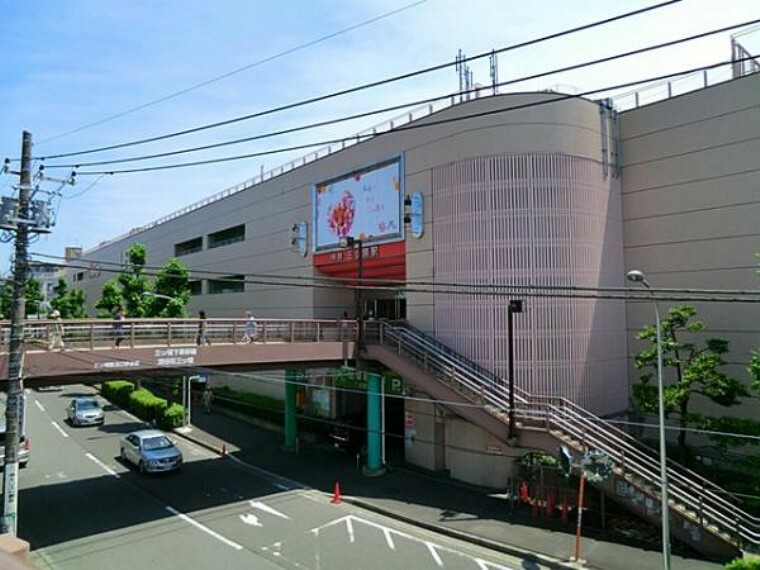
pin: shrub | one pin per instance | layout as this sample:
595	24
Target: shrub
118	392
146	406
172	417
752	563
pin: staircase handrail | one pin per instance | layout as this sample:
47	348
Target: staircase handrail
629	453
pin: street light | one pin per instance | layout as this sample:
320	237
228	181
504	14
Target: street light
515	306
637	276
348	242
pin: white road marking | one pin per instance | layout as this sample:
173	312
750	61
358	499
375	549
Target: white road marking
350	529
40	406
434	553
283	487
205	529
250	519
267	509
102	465
389	539
60	430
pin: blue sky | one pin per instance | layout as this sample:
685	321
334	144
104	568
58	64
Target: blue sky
69	63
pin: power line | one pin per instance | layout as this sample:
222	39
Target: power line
362	87
528	290
398	107
235	71
427	124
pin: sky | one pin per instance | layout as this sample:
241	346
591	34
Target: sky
82	74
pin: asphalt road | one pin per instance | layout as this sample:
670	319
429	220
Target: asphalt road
82	508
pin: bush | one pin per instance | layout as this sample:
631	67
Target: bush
752	563
118	392
146	406
172	417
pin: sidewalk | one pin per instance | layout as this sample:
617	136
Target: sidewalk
427	500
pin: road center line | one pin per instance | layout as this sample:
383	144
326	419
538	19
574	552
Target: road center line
60	429
40	406
205	529
102	465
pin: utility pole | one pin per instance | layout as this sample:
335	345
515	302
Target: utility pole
14	387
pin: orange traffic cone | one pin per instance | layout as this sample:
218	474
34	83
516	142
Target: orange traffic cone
336	500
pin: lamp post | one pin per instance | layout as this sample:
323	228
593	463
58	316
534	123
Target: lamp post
515	306
348	242
637	276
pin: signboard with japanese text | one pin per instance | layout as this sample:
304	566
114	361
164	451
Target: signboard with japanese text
365	204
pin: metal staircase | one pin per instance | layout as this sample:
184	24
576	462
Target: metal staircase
702	514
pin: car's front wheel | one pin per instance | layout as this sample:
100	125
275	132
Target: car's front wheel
123	455
141	468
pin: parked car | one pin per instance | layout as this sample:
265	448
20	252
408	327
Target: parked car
349	434
85	412
151	451
23	451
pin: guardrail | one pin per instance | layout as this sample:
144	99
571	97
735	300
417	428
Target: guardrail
697	498
91	334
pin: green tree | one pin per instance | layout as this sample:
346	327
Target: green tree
171	281
132	289
110	299
34	298
69	302
688	369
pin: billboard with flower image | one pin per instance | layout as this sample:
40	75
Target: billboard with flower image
365	204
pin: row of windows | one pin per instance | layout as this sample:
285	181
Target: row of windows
228	284
217	239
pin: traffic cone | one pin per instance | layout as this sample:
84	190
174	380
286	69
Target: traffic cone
223	453
336	500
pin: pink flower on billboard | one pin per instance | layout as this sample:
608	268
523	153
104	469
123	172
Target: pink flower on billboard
340	218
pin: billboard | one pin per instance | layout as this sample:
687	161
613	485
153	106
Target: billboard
365	204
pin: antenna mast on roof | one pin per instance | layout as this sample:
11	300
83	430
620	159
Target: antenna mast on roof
494	61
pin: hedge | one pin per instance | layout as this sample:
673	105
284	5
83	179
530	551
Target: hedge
143	403
752	563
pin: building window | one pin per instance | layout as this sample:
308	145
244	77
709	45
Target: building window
79	276
196	287
229	284
188	247
226	237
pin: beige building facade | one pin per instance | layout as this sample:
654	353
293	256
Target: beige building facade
512	193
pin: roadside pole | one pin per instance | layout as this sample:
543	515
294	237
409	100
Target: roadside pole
14	387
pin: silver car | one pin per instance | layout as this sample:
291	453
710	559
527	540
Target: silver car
151	451
85	412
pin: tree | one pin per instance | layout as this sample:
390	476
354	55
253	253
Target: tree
171	281
688	370
132	289
69	302
34	298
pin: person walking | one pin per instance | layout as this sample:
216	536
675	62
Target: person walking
208	397
202	336
250	327
118	327
56	331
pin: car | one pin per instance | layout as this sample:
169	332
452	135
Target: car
84	411
151	450
23	450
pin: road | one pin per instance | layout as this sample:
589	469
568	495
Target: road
82	509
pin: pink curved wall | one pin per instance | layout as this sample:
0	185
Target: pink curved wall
534	219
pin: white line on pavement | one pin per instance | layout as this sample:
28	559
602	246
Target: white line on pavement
60	429
434	553
205	529
40	406
350	529
389	539
102	465
267	509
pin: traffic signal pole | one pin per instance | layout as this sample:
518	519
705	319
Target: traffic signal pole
14	389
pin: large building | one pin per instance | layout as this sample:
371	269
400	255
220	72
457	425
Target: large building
538	194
